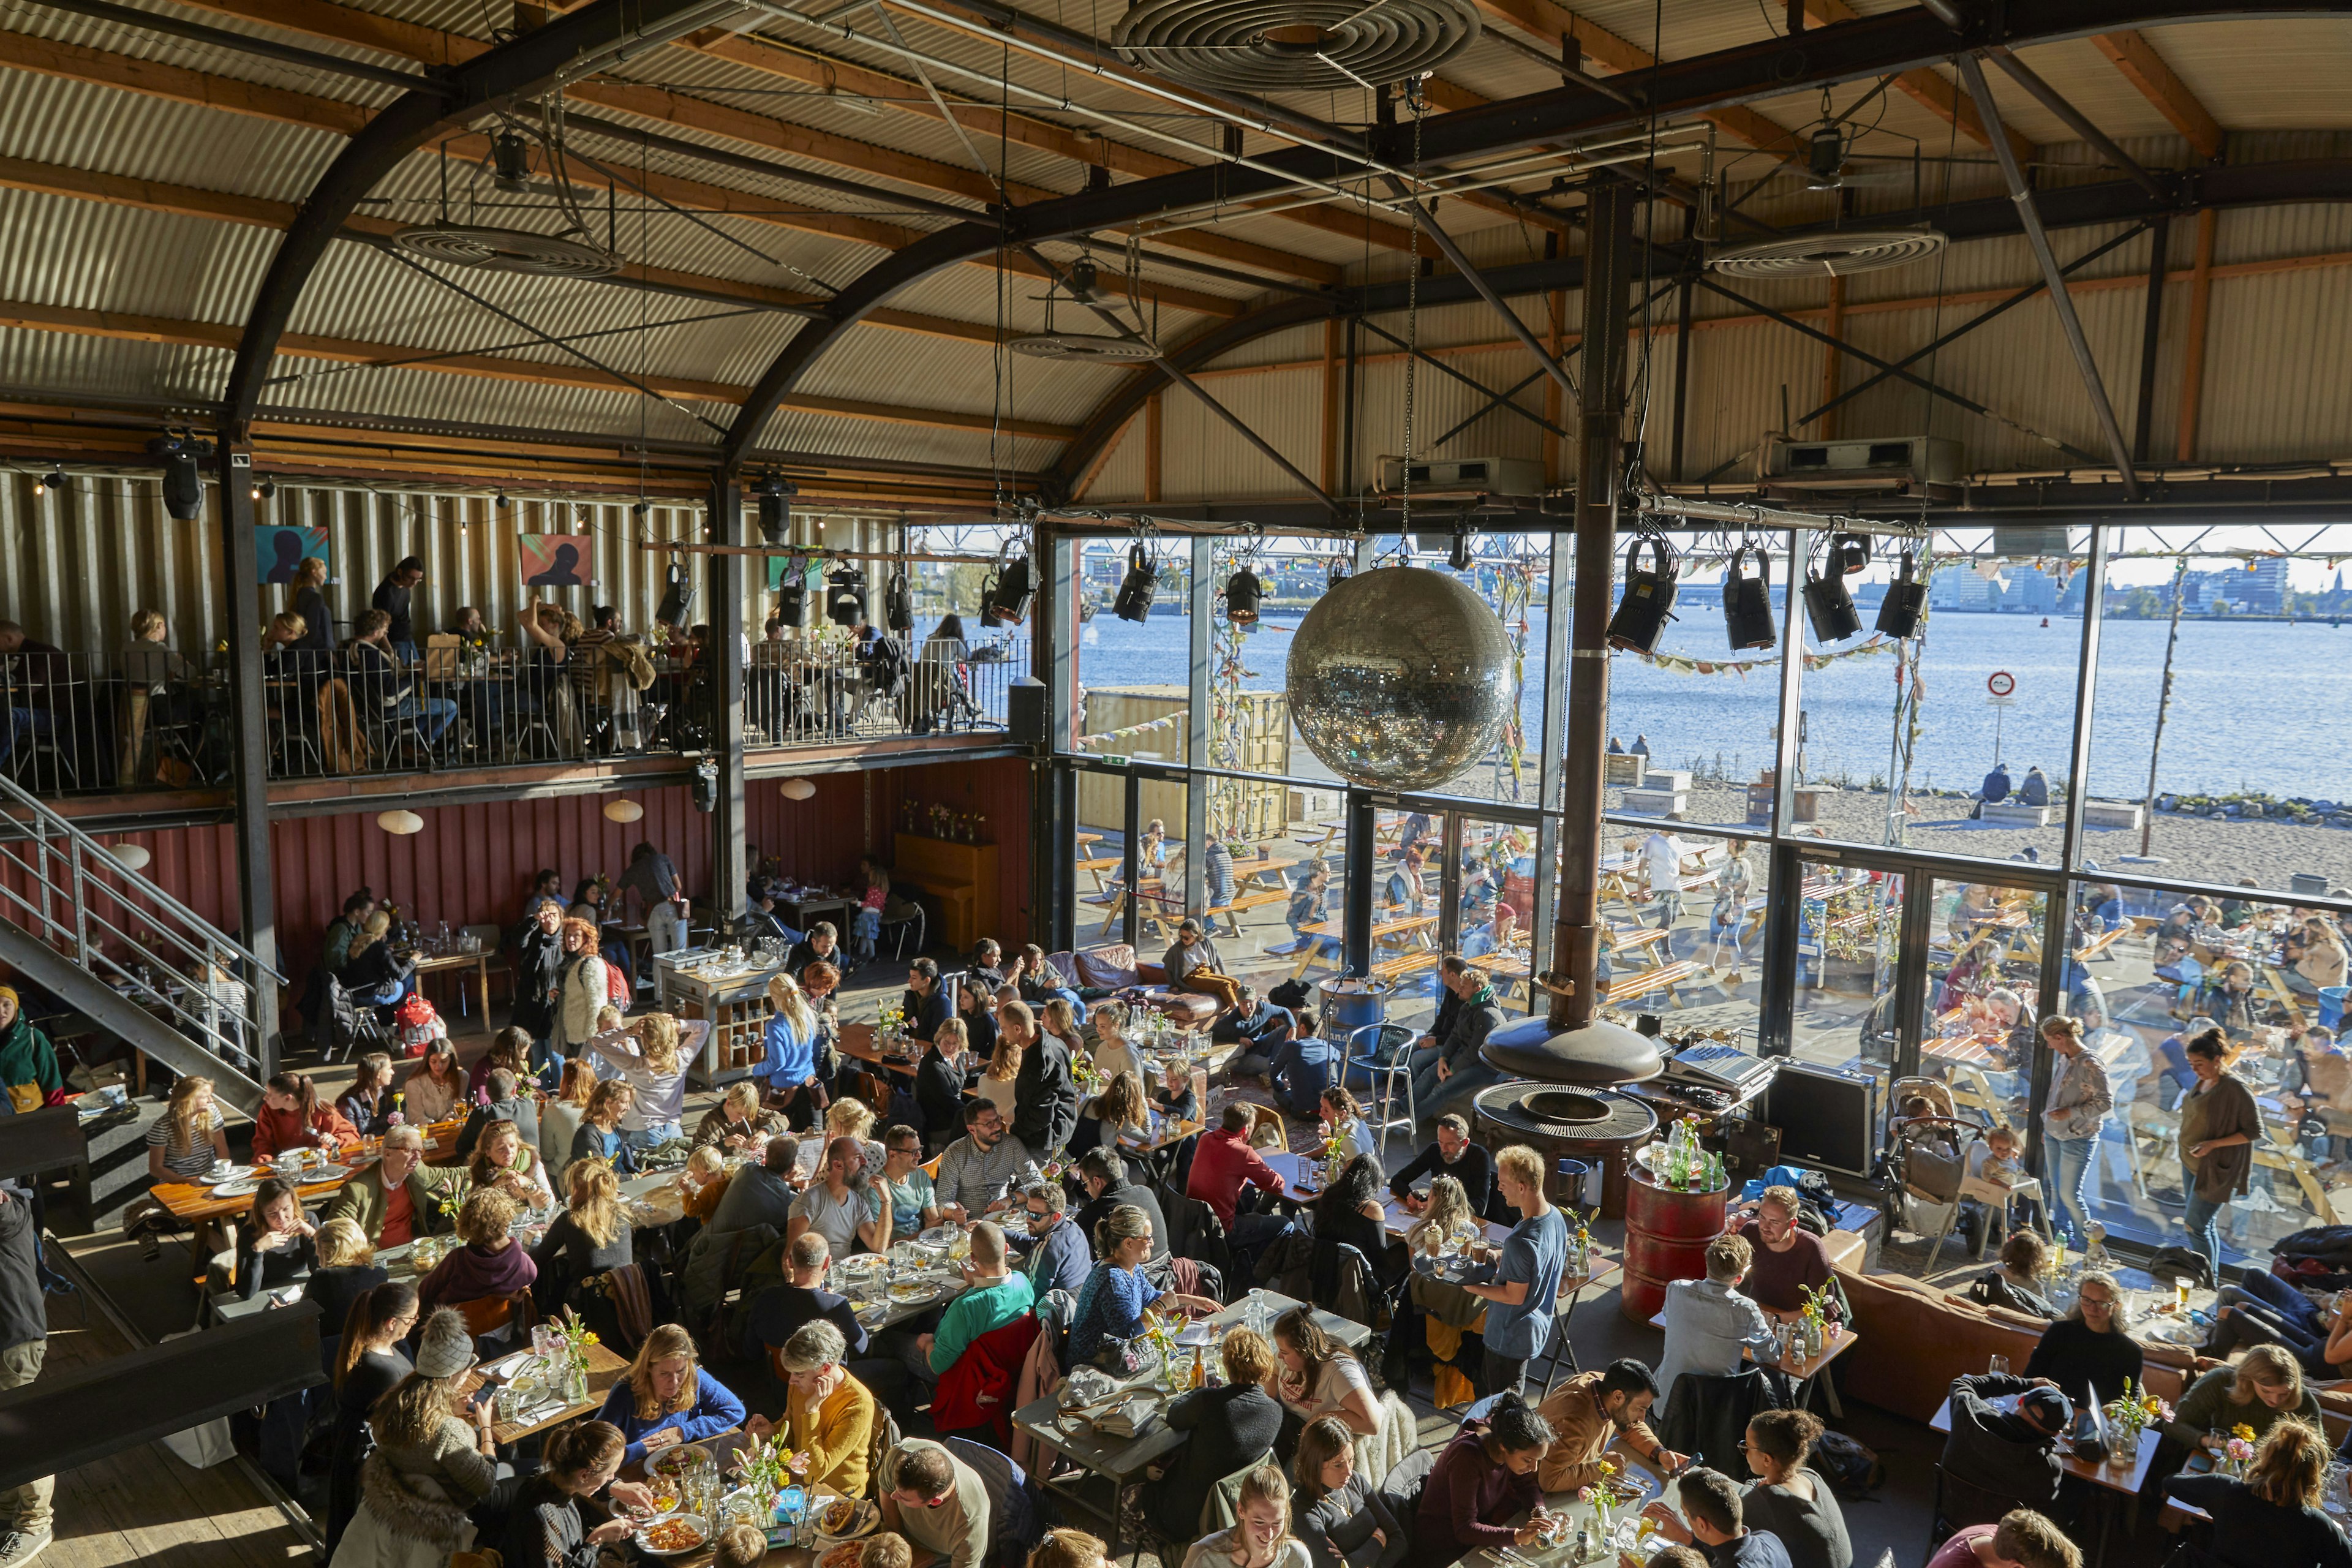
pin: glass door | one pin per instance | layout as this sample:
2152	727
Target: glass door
1984	980
1848	955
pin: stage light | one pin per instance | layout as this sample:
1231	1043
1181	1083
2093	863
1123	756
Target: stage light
1136	590
1649	602
500	501
791	601
677	600
899	603
183	483
1458	557
55	479
510	163
845	599
1828	604
776	509
263	489
1747	601
1906	601
1337	573
1004	601
1242	592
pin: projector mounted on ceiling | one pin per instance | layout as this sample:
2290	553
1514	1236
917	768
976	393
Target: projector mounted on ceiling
1835	255
1294	45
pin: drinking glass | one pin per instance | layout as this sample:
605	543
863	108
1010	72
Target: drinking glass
2000	1366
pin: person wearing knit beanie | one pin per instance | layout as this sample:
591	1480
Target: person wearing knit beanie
446	1347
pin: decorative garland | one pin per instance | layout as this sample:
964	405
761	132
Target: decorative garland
1165	720
1681	665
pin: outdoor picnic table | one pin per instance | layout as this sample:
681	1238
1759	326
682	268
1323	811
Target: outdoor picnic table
1389	931
1123	1459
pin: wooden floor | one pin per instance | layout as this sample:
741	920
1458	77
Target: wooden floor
144	1505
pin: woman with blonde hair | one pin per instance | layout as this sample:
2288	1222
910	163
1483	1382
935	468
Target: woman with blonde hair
1260	1536
648	1058
503	1160
1225	1428
1057	1018
703	1182
186	1141
2272	1517
2262	1389
788	1074
1349	1134
588	1237
559	1119
667	1398
996	1078
346	1270
1447	1222
375	974
735	1124
847	1118
598	1137
309	606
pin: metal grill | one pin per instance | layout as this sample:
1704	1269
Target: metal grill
1280	46
1830	255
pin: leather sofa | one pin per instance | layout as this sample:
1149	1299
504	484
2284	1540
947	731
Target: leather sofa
1115	966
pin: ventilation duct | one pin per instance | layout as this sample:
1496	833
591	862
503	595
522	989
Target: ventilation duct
1318	46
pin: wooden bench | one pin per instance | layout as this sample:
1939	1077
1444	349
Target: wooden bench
1404	963
1663	977
1098	866
2099	943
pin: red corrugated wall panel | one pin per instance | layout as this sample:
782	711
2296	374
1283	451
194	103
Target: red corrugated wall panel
472	865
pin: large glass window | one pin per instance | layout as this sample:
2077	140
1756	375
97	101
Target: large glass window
1984	980
1692	727
1957	739
1849	942
2212	669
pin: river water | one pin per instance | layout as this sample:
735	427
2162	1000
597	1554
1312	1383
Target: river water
2250	706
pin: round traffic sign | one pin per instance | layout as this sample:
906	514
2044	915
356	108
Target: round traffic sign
2001	683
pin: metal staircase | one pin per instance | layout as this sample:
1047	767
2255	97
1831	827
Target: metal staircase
141	964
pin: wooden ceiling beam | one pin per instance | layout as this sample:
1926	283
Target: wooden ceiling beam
179	84
1546	22
223	336
2134	56
187	201
330	23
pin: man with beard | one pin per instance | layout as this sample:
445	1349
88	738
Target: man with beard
846	1207
1590	1410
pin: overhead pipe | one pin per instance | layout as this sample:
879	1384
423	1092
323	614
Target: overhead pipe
2029	219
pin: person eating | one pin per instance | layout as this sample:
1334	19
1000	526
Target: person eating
1487	1475
667	1398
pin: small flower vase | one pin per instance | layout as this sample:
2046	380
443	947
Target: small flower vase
575	1382
2125	1449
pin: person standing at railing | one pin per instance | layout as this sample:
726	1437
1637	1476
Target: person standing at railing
28	1063
309	603
392	598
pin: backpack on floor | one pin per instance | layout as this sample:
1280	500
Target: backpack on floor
2170	1263
1850	1468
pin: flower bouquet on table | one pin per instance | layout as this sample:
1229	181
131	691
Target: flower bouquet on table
1603	1498
2129	1415
569	1356
1817	1321
2239	1451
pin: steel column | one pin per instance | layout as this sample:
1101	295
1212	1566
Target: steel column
1198	594
1777	1023
2031	219
1131	861
731	862
2087	685
249	744
2152	334
1609	228
1361	859
1682	369
1550	762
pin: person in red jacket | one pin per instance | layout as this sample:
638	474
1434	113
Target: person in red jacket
292	1116
1223	1162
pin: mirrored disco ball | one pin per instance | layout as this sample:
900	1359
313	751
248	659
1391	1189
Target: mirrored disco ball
1399	679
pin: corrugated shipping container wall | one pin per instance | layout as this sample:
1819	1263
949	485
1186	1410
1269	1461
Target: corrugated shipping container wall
77	564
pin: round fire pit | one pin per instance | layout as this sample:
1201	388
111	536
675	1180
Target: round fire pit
1597	1126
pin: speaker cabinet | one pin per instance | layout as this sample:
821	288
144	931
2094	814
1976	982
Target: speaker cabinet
1828	1117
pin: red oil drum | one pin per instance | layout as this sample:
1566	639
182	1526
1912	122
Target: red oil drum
1666	1233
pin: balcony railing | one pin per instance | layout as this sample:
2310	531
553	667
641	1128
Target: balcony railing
78	723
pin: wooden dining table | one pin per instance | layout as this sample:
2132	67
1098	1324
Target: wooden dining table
605	1370
458	964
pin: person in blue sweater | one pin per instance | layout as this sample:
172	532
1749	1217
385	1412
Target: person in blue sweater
1055	1249
667	1398
789	1075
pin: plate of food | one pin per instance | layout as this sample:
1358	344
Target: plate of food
849	1555
678	1461
847	1519
863	1263
906	1290
673	1537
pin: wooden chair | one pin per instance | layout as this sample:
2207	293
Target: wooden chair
1263	1117
489	1314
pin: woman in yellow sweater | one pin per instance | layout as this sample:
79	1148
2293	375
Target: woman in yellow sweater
828	1415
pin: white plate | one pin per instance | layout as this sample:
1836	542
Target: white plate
243	1188
693	1519
224	1174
